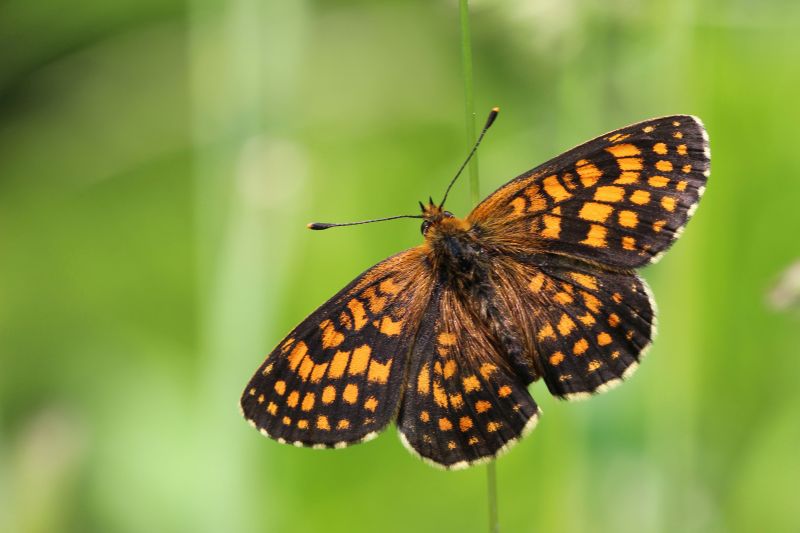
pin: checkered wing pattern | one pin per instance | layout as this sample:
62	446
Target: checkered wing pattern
587	328
337	378
621	199
463	404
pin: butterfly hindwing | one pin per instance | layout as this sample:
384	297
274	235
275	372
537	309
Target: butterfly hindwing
337	377
620	200
463	403
587	328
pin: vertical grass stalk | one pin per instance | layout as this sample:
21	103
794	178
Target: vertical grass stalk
474	194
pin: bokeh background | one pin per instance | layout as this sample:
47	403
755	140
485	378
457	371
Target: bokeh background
158	162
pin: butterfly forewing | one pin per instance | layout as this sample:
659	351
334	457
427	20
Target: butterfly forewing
463	403
337	377
620	199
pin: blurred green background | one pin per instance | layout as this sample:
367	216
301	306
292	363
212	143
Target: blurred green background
158	162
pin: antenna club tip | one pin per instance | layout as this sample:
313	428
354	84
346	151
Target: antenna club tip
317	225
495	109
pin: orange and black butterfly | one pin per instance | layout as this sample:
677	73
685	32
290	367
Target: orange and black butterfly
537	282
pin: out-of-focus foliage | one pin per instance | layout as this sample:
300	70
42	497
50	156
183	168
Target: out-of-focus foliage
159	159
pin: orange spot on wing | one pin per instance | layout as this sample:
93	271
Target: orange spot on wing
350	394
660	148
546	332
297	354
613	320
482	406
391	327
565	325
330	337
628	219
280	387
536	282
592	303
603	339
658	181
590	282
487	369
338	364
554	188
627	178
465	423
359	360
629	163
457	401
593	365
623	150
439	395
308	401
589	174
446	339
580	347
445	424
322	423
640	197
552	226
371	404
389	286
272	408
318	372
293	399
504	391
471	383
491	427
328	394
594	212
305	368
359	314
379	373
556	358
668	203
423	380
596	236
682	149
664	166
628	243
343	424
609	194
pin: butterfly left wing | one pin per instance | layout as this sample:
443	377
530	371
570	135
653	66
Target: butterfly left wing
336	379
464	403
620	200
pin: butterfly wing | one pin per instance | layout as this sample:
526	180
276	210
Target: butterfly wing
337	378
620	199
586	328
463	403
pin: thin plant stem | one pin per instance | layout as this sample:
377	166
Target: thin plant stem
469	99
474	193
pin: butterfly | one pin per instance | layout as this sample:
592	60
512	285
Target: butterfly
537	282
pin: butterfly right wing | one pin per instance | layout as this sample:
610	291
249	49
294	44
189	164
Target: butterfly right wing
586	328
337	378
619	200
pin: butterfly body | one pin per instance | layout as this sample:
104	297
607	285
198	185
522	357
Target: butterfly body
537	282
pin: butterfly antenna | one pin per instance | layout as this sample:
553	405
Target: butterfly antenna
489	121
326	225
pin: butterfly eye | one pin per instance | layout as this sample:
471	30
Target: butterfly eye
424	227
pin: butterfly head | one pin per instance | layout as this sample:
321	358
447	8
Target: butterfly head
436	218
